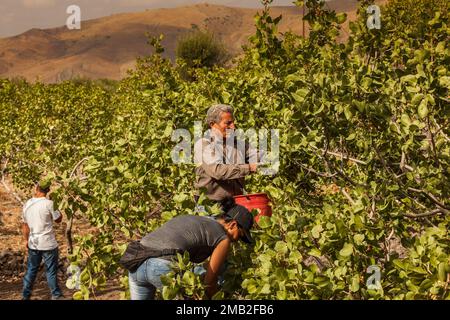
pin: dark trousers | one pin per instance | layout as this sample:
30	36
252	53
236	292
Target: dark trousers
51	265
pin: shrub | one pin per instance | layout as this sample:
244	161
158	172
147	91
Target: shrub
200	48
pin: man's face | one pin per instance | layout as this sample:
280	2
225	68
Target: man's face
226	122
234	231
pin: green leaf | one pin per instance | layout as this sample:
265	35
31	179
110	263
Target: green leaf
168	131
226	97
77	296
442	275
265	289
423	109
300	95
417	99
411	79
420	71
188	278
316	230
168	293
440	48
413	89
315	253
264	222
251	288
355	283
444	81
341	17
348	112
179	198
431	100
281	295
281	247
293	77
346	250
274	192
358	238
406	120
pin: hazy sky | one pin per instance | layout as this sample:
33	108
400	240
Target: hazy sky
18	16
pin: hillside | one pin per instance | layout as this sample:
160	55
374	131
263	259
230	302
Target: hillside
107	47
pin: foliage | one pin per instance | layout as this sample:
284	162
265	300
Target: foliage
201	48
364	169
182	282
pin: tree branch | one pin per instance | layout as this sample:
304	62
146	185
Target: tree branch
349	198
440	130
425	214
342	156
15	195
433	144
68	231
326	175
77	165
431	197
348	179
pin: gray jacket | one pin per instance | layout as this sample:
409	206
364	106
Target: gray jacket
221	168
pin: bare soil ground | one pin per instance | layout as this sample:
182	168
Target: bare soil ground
13	255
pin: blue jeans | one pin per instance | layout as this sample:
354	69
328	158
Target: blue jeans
147	278
199	269
51	266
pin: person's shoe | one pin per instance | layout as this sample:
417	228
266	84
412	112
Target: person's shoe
25	298
59	298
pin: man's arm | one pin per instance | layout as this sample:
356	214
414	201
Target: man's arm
56	215
228	171
25	227
212	163
25	233
215	263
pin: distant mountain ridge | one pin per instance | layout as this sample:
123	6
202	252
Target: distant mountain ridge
107	47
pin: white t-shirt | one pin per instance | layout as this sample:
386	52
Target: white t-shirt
39	214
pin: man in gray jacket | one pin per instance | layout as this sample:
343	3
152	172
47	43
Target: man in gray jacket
221	167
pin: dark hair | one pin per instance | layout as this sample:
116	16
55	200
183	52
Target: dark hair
42	190
227	204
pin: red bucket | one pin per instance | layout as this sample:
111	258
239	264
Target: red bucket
258	201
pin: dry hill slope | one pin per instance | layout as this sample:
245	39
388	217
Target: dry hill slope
107	47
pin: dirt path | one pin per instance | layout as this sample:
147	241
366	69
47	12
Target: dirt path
13	255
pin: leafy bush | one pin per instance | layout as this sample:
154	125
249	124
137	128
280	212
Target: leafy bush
200	48
364	156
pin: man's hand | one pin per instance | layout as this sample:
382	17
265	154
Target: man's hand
253	167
